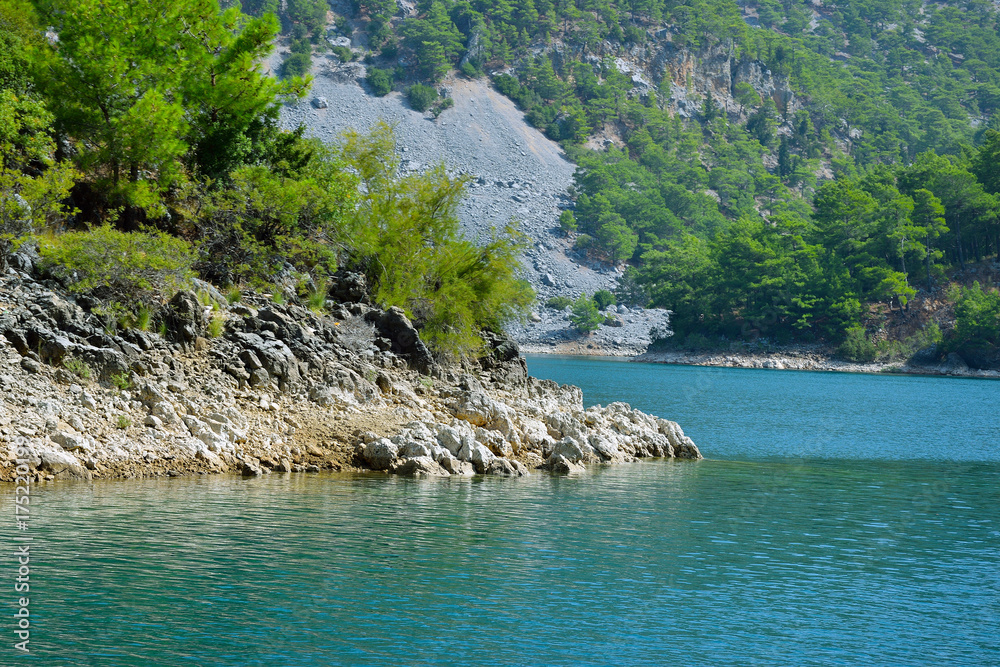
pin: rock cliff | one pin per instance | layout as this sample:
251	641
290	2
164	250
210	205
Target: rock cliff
281	388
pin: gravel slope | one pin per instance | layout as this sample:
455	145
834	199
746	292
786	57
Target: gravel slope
518	175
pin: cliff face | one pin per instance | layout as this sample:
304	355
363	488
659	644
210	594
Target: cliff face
282	389
685	76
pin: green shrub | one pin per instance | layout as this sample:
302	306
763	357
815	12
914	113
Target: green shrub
78	367
121	381
559	302
216	325
234	294
408	234
126	267
585	316
583	242
316	297
344	53
567	222
380	80
264	221
123	422
603	298
297	64
143	316
442	104
977	318
421	97
857	346
470	70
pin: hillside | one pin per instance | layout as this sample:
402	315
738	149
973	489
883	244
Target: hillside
718	145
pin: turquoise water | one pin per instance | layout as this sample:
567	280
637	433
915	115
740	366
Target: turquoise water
770	552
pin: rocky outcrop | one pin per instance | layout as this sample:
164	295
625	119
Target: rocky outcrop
283	389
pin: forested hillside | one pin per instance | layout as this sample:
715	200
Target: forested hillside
764	168
140	149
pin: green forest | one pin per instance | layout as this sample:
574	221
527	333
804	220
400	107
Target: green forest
865	178
756	217
140	149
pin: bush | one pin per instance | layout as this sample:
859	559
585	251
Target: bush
127	267
78	367
344	53
296	64
559	302
421	97
585	316
121	381
977	317
380	80
603	298
567	222
442	104
470	70
216	325
407	236
583	242
857	347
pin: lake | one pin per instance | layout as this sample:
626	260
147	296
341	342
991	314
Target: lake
837	519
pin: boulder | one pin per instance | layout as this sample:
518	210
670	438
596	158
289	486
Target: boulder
506	468
395	326
349	287
457	467
63	465
380	454
476	407
420	466
71	442
185	319
574	451
560	465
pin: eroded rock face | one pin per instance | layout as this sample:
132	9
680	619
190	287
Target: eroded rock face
397	328
185	318
153	405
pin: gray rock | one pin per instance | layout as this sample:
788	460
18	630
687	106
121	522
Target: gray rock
476	407
30	365
185	319
63	465
251	468
573	451
420	466
71	442
560	465
506	468
380	454
394	325
457	467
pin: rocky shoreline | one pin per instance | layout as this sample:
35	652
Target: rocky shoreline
814	359
281	389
